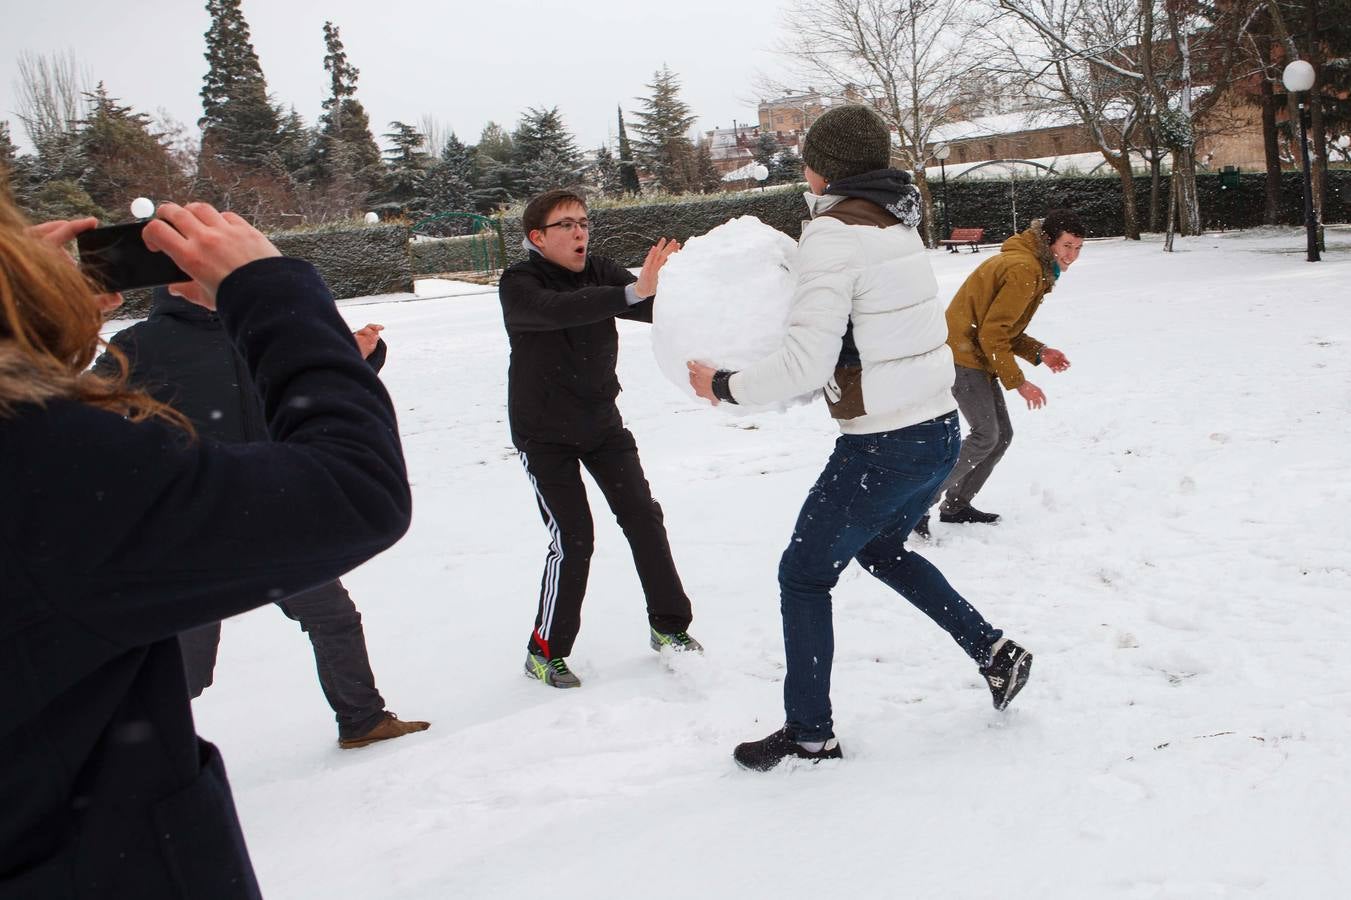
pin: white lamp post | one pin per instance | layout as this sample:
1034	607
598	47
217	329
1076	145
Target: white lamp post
941	153
371	218
760	173
1299	77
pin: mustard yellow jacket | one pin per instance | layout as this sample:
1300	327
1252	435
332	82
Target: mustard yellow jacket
988	318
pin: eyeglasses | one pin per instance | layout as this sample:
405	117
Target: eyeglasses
569	225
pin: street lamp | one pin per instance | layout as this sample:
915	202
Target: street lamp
1299	77
760	173
941	153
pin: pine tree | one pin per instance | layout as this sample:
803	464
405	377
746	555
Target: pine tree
497	182
406	164
539	133
449	183
345	148
628	172
296	147
664	148
9	154
605	174
707	179
783	166
125	158
239	123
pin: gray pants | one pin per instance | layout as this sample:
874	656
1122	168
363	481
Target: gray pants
330	618
980	398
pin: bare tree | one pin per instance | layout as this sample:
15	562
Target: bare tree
1176	39
1110	108
50	95
906	58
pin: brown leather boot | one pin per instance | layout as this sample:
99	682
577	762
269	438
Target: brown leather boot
391	726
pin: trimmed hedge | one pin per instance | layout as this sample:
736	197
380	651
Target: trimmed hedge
989	204
624	233
355	262
378	259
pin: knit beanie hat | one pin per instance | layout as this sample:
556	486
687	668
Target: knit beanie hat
847	140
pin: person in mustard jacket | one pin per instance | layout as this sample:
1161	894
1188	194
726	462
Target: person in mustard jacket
987	329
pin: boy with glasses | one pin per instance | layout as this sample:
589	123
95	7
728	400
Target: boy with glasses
559	306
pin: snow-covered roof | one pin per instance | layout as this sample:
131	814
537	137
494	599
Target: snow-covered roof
741	174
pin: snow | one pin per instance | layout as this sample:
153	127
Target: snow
724	300
1175	549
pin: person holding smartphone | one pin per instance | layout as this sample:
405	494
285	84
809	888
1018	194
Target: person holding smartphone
121	529
182	357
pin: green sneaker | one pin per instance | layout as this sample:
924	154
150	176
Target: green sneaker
553	672
679	641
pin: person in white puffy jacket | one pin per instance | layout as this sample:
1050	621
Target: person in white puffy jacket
866	325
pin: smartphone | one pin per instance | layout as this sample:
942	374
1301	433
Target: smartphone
117	259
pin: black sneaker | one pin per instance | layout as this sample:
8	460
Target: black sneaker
763	755
922	526
1007	671
967	515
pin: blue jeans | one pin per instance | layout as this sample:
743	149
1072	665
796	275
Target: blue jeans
872	493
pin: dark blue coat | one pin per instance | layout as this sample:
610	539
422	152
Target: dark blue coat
116	536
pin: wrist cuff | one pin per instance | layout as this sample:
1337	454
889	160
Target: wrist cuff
722	388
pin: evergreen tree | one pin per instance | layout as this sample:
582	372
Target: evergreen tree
9	154
707	179
664	148
345	148
406	166
125	158
296	147
449	183
628	172
497	182
783	166
239	123
540	133
605	175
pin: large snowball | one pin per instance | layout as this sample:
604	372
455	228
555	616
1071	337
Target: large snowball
724	300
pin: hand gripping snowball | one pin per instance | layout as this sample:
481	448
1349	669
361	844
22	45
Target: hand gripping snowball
142	208
724	300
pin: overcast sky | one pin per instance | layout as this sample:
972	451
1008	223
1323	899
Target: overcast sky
464	62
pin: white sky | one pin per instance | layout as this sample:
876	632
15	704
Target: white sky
464	63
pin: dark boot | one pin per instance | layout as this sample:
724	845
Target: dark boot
763	755
967	515
922	527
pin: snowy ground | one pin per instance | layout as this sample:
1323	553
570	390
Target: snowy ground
1175	549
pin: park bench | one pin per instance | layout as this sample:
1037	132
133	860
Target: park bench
964	237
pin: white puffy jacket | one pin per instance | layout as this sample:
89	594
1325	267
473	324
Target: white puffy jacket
881	279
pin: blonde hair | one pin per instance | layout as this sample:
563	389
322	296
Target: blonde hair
49	329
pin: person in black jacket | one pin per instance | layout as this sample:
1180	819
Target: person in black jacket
182	357
559	306
119	531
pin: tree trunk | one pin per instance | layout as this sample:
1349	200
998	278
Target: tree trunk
1272	149
1130	217
1155	190
1172	211
926	197
1188	203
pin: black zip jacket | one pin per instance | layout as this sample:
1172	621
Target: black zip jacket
561	385
116	536
181	356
